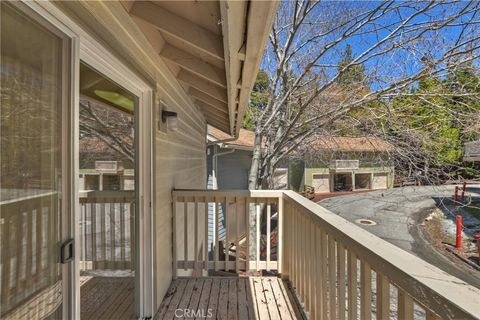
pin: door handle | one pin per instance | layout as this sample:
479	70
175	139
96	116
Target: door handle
67	251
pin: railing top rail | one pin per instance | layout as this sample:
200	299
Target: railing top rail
97	195
445	294
228	193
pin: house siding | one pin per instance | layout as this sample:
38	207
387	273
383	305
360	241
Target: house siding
180	157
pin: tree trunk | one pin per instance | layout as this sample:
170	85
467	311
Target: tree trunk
256	159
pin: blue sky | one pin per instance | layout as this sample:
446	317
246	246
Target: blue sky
404	60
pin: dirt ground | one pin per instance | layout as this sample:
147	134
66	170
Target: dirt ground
445	244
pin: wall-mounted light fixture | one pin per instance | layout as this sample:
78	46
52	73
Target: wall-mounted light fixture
169	119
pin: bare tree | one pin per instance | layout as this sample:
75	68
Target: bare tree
395	43
112	127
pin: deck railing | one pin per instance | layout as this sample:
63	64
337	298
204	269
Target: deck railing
232	251
337	269
107	230
29	229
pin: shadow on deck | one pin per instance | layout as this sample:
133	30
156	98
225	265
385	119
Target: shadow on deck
228	298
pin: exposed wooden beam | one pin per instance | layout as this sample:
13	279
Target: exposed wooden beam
191	63
199	95
180	28
209	115
203	85
224	127
220	111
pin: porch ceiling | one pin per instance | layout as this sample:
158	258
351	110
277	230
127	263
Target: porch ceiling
213	48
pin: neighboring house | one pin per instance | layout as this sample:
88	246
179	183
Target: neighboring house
102	168
229	159
472	151
336	164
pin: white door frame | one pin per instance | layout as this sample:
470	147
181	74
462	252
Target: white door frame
84	47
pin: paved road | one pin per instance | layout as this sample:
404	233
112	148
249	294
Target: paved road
397	214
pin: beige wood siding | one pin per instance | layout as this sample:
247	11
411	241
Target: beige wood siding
180	157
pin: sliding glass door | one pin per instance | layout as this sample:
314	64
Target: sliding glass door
33	180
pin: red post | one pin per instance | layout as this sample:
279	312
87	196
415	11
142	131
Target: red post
463	190
459	232
477	236
455	195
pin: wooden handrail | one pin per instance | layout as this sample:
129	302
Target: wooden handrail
434	289
330	261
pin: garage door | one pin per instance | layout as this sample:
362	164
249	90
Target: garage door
380	181
320	182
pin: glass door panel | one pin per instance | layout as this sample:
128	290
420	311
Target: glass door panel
31	167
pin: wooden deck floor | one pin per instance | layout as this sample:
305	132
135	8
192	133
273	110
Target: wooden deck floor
228	298
107	298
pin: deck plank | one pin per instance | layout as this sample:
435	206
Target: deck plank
270	299
285	310
229	298
166	301
223	299
177	296
242	299
197	292
187	295
213	302
232	299
261	299
204	298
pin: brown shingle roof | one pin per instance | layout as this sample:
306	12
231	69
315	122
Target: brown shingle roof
351	144
246	138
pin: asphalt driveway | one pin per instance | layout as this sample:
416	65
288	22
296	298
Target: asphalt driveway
397	214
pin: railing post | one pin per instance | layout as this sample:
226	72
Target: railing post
280	246
174	236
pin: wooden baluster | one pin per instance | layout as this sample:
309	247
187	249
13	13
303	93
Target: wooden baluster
29	281
319	285
226	243
205	202
174	232
185	233
302	256
269	215
383	297
280	235
122	234
352	285
366	291
195	246
405	306
324	270
216	237
237	235
308	282
103	227
341	280
332	270
312	271
112	235
93	233
257	240
7	250
247	233
133	256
